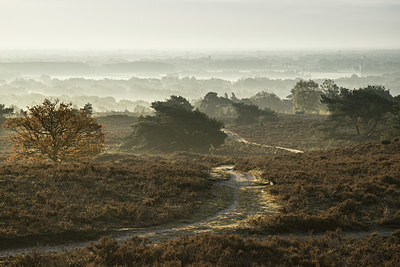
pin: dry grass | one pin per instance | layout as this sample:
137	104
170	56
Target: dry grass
356	187
333	249
117	128
297	131
45	202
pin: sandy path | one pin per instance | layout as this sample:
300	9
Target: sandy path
240	139
247	200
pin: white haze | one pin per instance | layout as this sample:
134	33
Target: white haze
199	24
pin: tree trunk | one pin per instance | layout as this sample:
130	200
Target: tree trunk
357	129
372	129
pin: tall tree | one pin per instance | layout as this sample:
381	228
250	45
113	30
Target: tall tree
365	109
88	108
272	101
306	96
55	131
329	88
393	124
215	106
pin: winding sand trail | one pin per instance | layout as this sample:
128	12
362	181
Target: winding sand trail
240	139
247	199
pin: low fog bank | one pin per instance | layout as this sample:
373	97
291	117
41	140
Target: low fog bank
228	65
99	104
123	80
120	95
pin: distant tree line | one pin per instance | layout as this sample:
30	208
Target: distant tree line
241	111
366	113
60	132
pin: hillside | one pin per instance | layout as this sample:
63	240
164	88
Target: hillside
354	188
76	201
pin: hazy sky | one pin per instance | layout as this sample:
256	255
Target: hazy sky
202	24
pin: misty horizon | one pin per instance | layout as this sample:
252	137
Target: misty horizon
200	25
147	50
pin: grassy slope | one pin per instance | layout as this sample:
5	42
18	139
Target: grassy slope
297	131
356	187
228	250
74	200
117	128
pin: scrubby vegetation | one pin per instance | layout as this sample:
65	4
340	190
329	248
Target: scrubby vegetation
248	114
352	188
333	249
49	201
357	187
176	126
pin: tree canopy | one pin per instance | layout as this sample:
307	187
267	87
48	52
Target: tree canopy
393	124
248	114
176	126
365	110
245	110
55	131
306	96
4	112
272	101
216	106
329	88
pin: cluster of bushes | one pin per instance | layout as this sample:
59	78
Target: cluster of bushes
176	126
333	249
356	187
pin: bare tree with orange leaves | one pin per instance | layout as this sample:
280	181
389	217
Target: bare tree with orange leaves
55	131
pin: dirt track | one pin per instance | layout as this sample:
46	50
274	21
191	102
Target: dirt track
247	200
240	139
